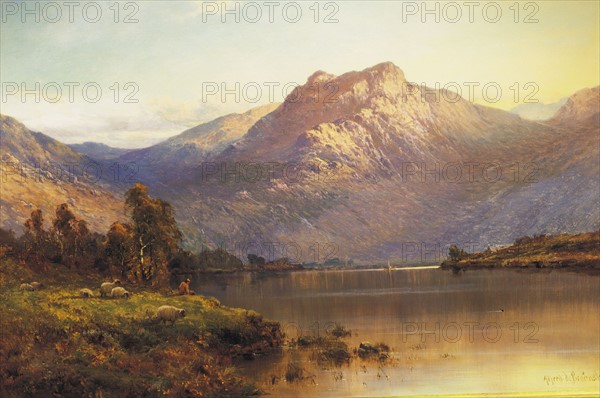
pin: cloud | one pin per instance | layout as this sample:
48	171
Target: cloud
120	125
192	113
124	125
185	113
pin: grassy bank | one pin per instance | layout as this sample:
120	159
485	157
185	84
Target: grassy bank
580	252
55	343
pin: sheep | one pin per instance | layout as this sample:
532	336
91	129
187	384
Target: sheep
118	292
107	287
31	286
86	293
26	286
169	313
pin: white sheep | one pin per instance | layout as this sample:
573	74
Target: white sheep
168	313
118	292
107	287
86	293
26	286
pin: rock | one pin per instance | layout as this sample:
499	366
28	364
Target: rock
367	349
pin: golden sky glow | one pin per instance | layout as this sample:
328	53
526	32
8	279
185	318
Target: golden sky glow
176	47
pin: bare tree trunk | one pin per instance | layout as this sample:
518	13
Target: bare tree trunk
142	247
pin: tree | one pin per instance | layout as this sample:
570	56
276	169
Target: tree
71	234
81	236
35	236
35	224
118	247
253	259
63	229
456	253
155	233
9	244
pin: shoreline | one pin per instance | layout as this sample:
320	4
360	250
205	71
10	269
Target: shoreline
116	344
331	269
444	266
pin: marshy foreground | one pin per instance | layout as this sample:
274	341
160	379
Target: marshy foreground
59	342
56	343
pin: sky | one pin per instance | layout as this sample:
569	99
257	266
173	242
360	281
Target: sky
130	74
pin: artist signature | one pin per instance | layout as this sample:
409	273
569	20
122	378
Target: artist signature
571	378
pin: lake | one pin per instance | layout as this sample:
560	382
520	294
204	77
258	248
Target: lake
484	331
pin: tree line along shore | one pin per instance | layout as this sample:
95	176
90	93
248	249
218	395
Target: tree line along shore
573	252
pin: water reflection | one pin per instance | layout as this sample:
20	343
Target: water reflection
475	332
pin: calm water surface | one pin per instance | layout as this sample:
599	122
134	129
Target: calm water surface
475	332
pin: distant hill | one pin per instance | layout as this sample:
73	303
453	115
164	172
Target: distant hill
538	111
189	149
581	109
99	151
40	172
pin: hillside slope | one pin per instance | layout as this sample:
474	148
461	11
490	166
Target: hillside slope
40	172
98	151
369	166
351	174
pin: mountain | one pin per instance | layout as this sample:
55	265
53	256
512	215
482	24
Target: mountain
23	145
369	166
374	100
378	166
190	148
99	151
581	108
40	172
92	177
538	111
